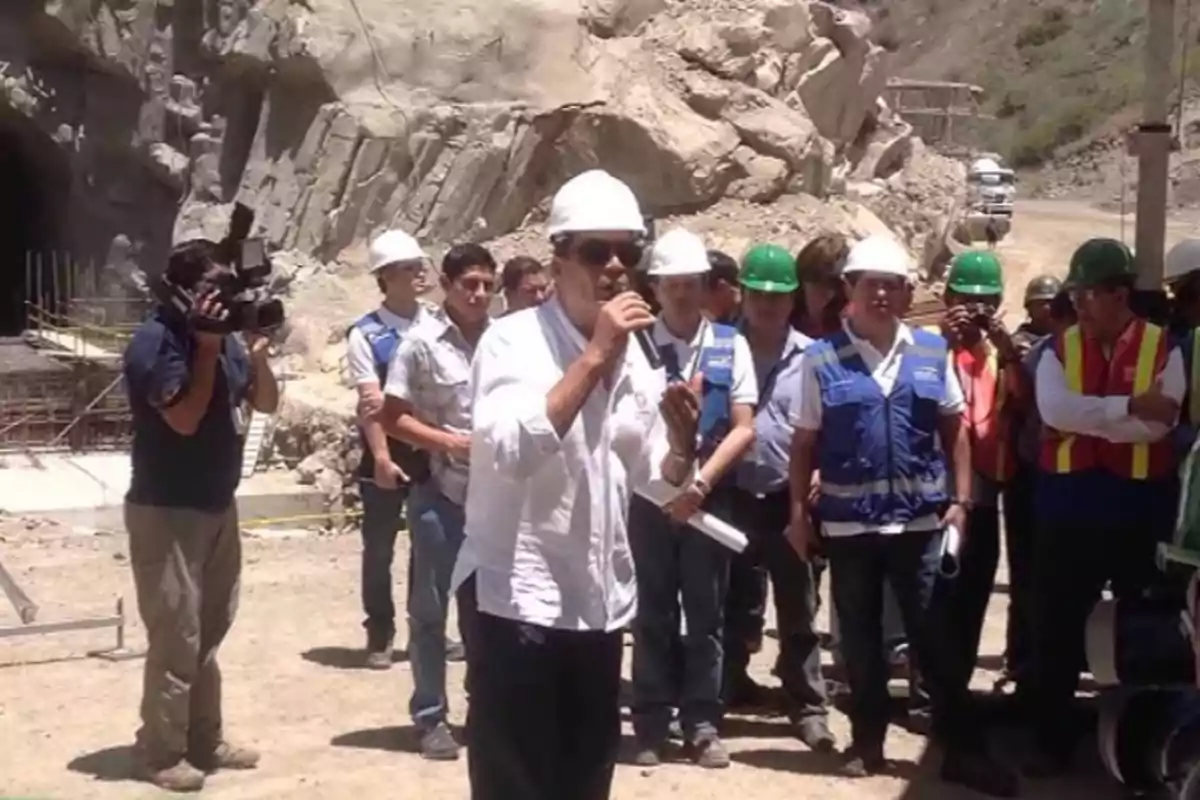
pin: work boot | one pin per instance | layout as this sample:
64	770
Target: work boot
178	777
675	730
225	756
437	744
708	751
455	652
379	651
862	761
978	771
649	752
815	734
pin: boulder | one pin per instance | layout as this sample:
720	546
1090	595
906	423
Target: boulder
769	126
608	18
761	178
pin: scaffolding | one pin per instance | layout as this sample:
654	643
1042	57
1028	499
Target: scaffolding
945	114
60	381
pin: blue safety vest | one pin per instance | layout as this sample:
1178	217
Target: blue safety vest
384	340
879	456
716	365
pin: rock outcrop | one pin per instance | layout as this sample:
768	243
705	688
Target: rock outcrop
453	119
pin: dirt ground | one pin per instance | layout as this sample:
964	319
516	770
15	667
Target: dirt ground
330	730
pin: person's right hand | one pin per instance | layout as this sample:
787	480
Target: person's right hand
1154	406
208	312
388	475
459	446
619	317
803	537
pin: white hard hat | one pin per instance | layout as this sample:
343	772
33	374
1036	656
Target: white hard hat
678	252
391	247
1182	259
879	254
595	201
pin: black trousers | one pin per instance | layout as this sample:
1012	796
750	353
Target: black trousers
1019	536
1072	563
544	720
764	520
964	599
859	567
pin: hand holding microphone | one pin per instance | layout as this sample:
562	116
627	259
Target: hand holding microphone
625	314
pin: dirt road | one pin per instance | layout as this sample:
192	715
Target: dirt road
1046	233
331	731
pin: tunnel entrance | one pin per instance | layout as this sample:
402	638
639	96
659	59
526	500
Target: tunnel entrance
34	181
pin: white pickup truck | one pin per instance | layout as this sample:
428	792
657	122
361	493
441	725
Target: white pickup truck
991	190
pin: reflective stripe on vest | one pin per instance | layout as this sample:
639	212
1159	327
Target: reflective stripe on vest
1071	452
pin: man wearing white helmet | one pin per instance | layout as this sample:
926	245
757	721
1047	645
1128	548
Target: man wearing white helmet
880	419
397	263
569	419
675	561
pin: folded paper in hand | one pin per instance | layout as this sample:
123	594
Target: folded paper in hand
716	529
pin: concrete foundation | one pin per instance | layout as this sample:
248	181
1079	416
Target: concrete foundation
88	491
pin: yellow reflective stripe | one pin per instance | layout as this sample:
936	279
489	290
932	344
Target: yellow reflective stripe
1073	370
1143	377
1194	390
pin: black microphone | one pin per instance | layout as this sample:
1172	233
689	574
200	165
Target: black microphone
646	342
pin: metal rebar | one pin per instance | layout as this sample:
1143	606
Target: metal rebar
59	627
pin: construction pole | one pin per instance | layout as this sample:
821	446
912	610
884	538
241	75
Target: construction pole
1152	145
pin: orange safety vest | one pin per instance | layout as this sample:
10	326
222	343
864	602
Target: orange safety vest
989	425
988	421
1138	357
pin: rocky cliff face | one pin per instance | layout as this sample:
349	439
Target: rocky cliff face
450	118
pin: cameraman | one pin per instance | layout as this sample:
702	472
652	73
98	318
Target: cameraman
188	386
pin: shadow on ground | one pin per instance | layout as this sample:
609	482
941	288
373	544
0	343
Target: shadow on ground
344	657
109	764
393	738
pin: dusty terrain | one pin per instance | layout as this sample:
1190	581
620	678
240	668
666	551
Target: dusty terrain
330	730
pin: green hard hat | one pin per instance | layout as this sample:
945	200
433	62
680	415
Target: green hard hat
769	268
1098	260
1043	287
975	272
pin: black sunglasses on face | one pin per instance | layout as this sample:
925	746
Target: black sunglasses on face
600	252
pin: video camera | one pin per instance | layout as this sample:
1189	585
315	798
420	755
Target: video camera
242	290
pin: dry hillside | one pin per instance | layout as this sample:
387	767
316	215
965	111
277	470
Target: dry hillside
1055	72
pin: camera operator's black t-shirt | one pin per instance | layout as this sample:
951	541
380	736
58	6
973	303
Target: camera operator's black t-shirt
200	471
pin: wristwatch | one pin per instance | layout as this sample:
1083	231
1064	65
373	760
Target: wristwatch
964	502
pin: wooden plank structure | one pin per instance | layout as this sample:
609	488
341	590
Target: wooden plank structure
943	113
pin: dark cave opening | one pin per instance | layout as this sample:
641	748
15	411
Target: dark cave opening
34	182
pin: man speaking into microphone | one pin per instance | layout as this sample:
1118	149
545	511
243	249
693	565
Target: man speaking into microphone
569	420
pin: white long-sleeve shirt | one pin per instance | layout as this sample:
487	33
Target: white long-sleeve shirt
546	518
1102	417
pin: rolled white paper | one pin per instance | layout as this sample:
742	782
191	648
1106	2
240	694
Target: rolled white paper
716	529
951	544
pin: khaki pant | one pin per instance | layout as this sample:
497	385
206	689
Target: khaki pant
186	566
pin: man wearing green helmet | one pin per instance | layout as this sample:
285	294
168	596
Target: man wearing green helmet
761	504
1108	392
988	365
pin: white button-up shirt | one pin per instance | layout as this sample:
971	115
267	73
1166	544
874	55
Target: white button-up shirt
546	518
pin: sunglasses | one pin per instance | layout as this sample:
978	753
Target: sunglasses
598	253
